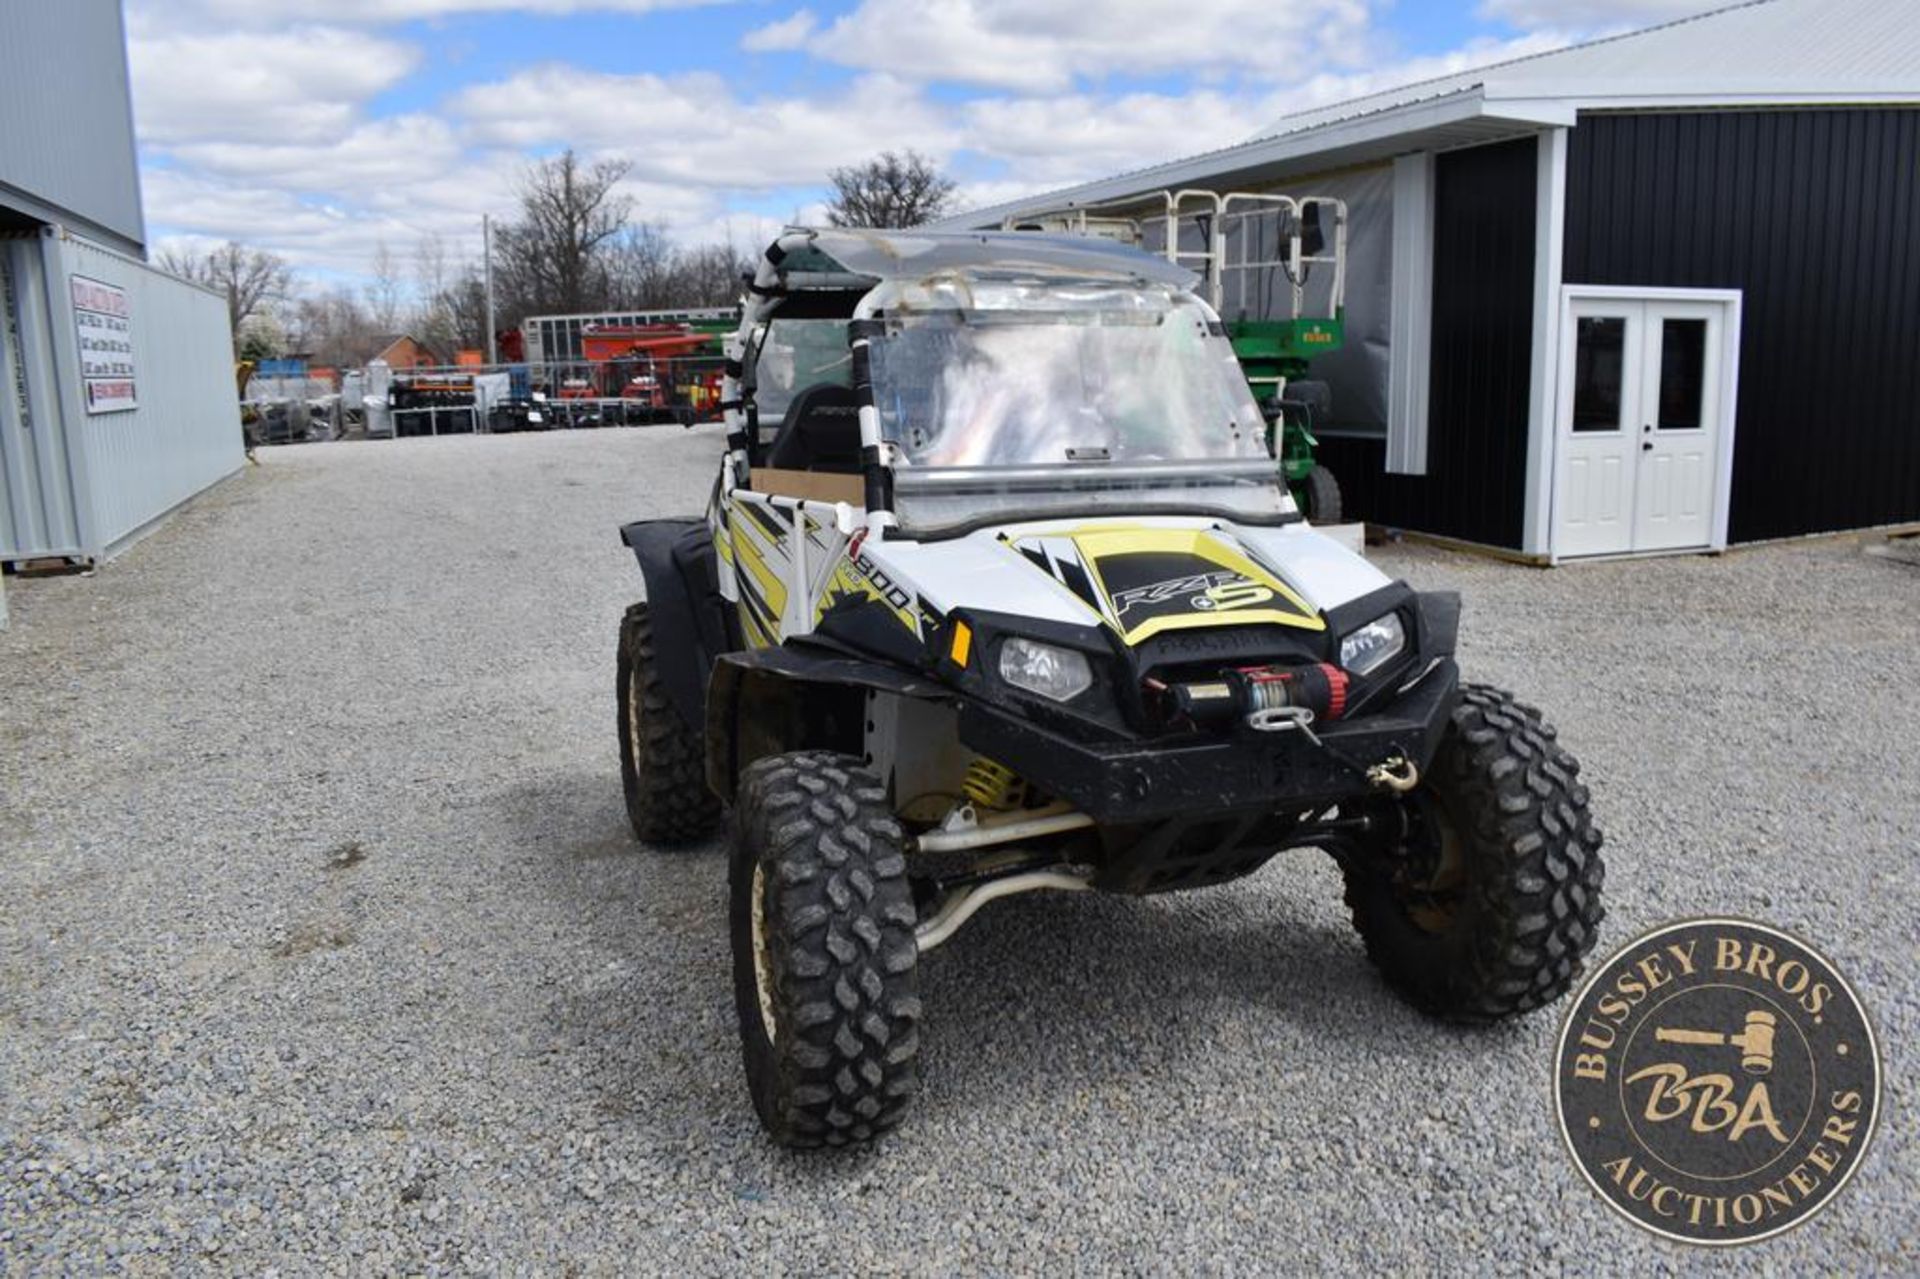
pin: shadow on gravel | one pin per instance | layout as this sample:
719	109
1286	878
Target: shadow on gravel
640	988
1038	997
1119	987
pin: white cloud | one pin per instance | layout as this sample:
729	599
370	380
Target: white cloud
301	84
309	234
365	159
1593	13
690	129
1048	44
1075	137
265	13
268	135
786	34
1328	88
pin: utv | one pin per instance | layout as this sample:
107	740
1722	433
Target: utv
998	590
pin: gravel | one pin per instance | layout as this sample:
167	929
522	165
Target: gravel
325	946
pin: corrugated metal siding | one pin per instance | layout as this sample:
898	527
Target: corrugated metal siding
1815	216
1483	245
39	510
186	432
82	485
66	116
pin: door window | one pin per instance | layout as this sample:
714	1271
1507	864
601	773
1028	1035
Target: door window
1599	369
1683	373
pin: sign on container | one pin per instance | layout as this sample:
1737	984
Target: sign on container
103	322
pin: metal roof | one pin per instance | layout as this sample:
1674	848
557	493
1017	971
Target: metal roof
892	255
1792	50
1760	53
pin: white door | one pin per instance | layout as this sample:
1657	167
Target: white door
1641	418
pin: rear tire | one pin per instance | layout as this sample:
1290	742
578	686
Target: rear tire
1488	901
662	759
824	955
1323	496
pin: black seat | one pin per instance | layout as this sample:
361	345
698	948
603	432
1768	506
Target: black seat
820	432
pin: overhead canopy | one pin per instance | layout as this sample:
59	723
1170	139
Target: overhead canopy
899	255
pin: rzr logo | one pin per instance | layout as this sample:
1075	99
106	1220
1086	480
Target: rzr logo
1203	591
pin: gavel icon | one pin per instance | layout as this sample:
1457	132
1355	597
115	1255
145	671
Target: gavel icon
1755	1042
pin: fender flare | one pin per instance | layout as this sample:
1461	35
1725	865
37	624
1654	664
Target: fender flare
793	696
671	606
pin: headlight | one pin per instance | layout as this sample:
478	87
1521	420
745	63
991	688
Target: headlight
1374	645
1060	674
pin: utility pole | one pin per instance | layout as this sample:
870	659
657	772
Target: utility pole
486	255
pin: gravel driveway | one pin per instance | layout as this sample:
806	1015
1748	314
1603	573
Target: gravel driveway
324	944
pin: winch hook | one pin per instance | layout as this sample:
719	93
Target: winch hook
1396	773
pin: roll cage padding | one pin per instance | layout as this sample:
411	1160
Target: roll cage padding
767	701
690	619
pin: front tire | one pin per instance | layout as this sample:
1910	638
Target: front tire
1486	900
1322	492
824	955
662	760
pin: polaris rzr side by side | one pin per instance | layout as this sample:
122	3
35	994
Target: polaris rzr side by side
999	591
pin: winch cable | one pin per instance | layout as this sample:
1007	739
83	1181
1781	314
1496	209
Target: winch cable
1395	773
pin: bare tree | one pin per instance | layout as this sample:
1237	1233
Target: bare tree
383	290
555	257
250	278
333	327
640	266
465	301
434	323
430	264
709	275
890	190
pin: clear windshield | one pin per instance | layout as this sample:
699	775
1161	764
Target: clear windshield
1067	375
795	354
1009	396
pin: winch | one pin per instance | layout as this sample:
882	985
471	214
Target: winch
1241	691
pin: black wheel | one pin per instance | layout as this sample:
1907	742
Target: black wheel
662	762
1486	898
823	950
1323	496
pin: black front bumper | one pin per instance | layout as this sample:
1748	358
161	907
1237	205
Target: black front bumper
1119	783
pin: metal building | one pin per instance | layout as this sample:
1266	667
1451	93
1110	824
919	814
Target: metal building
556	339
117	399
1655	293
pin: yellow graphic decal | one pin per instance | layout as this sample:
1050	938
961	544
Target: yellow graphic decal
864	578
772	589
1152	580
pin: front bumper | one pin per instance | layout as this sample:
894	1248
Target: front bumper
1118	783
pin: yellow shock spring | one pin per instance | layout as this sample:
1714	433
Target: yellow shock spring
993	785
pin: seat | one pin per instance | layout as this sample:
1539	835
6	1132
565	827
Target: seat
820	432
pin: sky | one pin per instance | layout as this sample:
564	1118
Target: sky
324	131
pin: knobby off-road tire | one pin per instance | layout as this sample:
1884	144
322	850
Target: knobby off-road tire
1323	496
1522	905
662	762
824	978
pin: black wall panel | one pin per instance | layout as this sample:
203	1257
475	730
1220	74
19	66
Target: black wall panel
1483	243
1815	215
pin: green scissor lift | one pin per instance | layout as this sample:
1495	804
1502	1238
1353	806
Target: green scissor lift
1256	252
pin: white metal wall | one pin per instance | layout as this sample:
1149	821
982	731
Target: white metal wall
66	118
83	485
